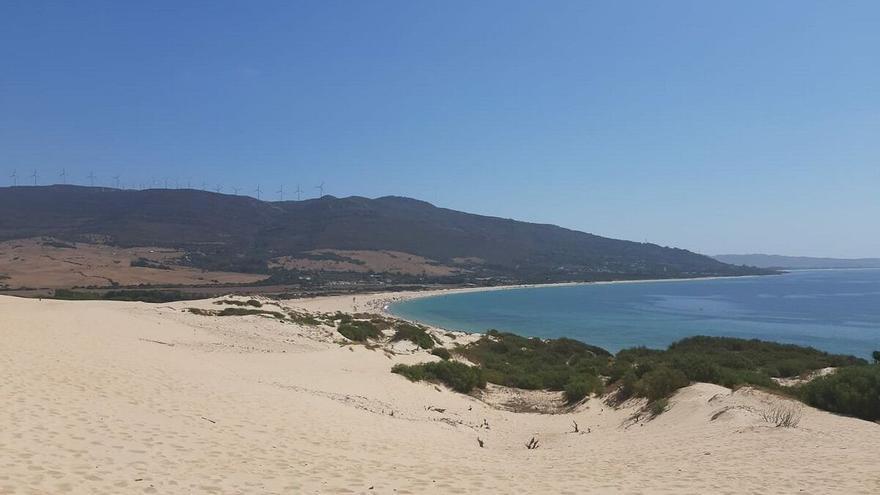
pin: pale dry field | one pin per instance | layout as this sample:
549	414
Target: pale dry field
37	263
111	397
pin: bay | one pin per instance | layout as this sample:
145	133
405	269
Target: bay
834	310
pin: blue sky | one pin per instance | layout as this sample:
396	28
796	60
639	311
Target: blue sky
713	126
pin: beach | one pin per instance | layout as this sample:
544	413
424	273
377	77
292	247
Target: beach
119	397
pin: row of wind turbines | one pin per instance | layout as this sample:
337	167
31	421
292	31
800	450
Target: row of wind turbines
156	184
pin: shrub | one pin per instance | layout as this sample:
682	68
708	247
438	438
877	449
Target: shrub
249	312
580	387
358	331
783	414
876	356
201	312
442	353
627	385
458	376
250	302
658	407
303	319
772	358
729	362
532	363
413	333
660	382
853	391
343	317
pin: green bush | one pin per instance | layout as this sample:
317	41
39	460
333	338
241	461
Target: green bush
627	385
854	391
413	333
457	376
578	388
358	331
771	358
532	363
442	353
575	368
876	356
660	382
343	317
250	302
658	407
303	319
248	312
725	361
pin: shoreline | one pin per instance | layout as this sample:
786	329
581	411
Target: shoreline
381	302
412	295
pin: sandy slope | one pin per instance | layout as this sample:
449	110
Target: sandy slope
102	397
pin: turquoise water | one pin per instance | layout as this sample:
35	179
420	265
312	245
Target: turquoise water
833	310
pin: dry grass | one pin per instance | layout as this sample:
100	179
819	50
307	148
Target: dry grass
783	414
44	263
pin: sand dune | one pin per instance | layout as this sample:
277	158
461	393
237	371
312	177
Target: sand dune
104	397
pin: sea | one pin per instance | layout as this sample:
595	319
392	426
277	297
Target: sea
833	310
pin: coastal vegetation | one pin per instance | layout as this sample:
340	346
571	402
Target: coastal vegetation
249	311
729	362
454	374
234	302
580	370
854	391
359	330
530	363
442	353
413	333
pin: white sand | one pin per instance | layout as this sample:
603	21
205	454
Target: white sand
104	397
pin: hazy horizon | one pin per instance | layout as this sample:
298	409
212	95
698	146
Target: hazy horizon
746	128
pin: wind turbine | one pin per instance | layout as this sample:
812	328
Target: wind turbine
14	177
63	175
34	175
281	193
91	178
321	189
258	191
298	192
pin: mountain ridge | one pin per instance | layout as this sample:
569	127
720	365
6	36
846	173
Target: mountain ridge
243	234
